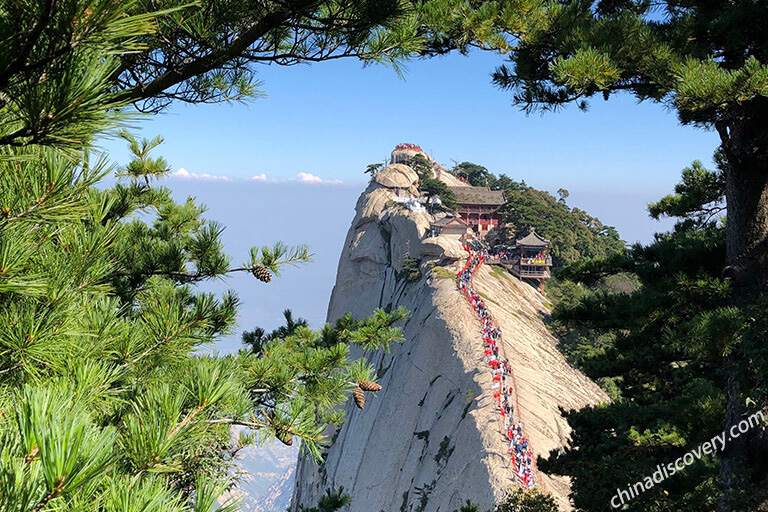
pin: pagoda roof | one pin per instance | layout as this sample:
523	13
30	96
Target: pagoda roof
478	195
446	221
533	239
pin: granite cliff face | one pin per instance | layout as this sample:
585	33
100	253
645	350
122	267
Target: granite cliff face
431	439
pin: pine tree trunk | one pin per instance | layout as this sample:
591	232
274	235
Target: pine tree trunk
745	143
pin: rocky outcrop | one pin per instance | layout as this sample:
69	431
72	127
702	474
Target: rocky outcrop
432	438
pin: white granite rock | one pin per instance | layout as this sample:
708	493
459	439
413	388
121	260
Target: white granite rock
397	175
431	438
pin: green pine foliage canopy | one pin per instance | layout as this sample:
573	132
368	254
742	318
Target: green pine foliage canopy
105	402
660	348
103	396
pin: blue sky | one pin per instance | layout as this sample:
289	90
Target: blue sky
310	138
331	119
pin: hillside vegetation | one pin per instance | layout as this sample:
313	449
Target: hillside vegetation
575	235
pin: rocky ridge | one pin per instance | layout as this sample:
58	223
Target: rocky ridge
431	439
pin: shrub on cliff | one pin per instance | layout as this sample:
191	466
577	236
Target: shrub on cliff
409	270
519	500
476	175
437	188
421	165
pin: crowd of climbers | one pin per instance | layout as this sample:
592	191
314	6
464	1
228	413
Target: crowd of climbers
502	381
500	253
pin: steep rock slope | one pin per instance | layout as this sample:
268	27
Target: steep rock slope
432	438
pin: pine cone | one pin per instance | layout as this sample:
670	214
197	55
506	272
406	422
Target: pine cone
367	385
262	273
359	396
284	437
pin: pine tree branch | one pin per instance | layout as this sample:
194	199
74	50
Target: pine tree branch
39	202
214	60
191	416
160	343
12	367
52	494
197	275
257	425
10	139
16	64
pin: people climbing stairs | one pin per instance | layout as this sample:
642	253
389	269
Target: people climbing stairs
503	384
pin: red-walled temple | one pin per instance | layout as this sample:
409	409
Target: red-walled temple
477	207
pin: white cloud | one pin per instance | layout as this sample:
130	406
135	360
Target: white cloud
183	173
306	177
302	177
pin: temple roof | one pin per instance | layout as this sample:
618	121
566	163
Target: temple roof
445	221
533	239
478	195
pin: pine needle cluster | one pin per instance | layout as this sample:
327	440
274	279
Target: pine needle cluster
102	394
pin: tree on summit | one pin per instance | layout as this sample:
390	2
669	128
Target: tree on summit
476	175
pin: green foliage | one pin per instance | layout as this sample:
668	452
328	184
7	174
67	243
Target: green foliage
521	500
258	337
300	377
468	507
706	60
74	66
574	234
421	165
659	347
98	387
699	196
372	169
437	188
143	166
409	270
577	342
694	57
442	273
57	71
277	256
476	175
103	395
330	501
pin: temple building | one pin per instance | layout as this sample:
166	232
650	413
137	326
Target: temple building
477	207
451	226
531	259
